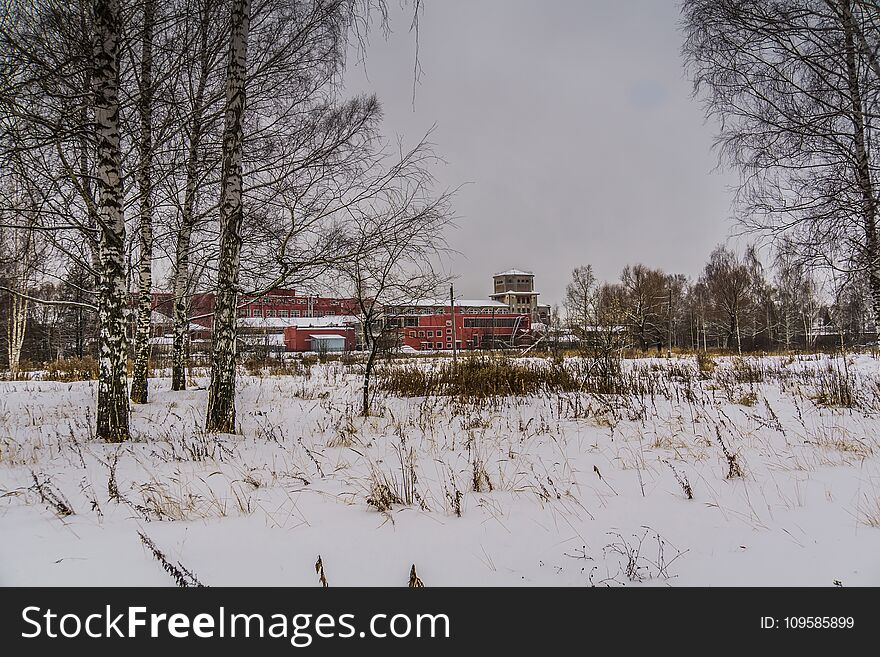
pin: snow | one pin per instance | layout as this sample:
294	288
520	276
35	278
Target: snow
459	303
515	272
577	482
282	322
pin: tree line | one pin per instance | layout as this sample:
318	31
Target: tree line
736	304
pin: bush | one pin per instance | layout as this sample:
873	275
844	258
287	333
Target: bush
72	369
481	377
705	363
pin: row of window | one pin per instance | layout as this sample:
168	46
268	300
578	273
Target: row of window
431	334
292	301
257	312
498	322
287	300
468	310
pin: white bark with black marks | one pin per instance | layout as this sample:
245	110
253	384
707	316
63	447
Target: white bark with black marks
221	395
113	410
139	382
16	328
862	160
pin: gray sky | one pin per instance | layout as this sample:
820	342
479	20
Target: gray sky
572	123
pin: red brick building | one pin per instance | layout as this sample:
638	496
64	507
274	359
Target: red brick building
319	338
479	324
279	302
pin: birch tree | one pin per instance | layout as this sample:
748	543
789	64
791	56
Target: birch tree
795	86
202	38
729	282
580	301
140	374
221	394
309	39
112	411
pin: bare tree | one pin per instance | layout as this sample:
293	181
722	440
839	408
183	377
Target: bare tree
394	264
729	282
795	85
579	300
203	34
319	28
646	291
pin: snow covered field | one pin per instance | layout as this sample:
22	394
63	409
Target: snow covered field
571	489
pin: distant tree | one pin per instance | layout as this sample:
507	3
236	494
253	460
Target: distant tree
646	291
580	301
796	297
729	281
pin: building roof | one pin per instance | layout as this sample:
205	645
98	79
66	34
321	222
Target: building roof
161	319
515	292
327	336
514	272
303	322
459	303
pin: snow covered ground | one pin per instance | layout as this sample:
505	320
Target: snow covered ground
573	489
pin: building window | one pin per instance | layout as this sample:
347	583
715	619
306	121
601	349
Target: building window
270	313
448	331
256	312
412	334
421	334
430	334
294	313
439	345
282	313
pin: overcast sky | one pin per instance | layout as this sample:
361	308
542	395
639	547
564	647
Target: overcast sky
570	124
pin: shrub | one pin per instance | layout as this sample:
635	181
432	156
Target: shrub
480	377
72	369
705	363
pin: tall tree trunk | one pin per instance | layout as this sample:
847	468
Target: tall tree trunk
187	222
368	372
863	166
112	411
16	328
221	395
181	306
145	190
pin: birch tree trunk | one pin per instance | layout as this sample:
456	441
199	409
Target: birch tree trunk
112	411
221	395
139	392
863	166
184	236
16	329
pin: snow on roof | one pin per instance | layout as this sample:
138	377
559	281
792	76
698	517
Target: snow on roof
515	272
283	322
161	319
459	303
327	336
515	292
273	339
